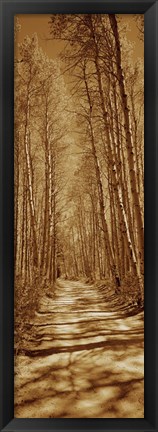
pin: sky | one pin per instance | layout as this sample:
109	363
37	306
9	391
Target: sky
40	24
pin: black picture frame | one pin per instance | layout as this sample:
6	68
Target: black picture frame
8	8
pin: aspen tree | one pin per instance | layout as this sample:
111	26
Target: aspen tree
129	142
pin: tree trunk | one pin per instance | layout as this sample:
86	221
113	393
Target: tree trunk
130	152
30	181
108	248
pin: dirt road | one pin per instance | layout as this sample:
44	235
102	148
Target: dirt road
85	360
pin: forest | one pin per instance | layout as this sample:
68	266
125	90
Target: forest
79	203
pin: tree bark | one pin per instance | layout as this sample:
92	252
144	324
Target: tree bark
130	152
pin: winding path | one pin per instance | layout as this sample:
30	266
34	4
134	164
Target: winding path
85	359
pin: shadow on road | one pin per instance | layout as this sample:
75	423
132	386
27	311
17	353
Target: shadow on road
81	364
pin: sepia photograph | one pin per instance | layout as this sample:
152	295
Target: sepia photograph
79	216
